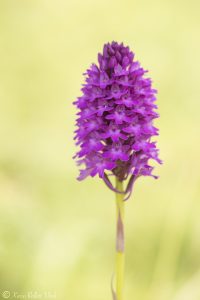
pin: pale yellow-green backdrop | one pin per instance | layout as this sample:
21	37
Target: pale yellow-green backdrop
57	234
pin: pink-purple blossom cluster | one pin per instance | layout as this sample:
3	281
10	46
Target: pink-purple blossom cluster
115	118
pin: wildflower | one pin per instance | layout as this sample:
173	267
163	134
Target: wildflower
115	129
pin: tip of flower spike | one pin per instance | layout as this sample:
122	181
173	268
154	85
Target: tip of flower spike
113	54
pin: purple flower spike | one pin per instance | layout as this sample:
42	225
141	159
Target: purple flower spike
115	119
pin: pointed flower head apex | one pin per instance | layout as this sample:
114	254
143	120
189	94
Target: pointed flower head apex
115	118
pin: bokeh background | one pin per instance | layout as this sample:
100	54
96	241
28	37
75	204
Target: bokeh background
56	234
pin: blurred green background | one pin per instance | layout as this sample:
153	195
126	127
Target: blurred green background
56	234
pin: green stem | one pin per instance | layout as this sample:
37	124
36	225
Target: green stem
120	255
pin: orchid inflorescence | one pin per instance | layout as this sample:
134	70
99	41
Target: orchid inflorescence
115	119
